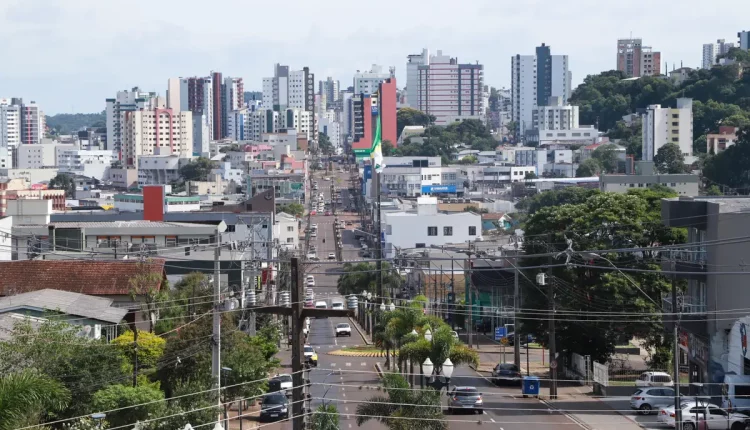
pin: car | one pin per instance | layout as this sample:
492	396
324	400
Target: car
321	304
349	223
339	306
331	256
314	226
329	213
285	381
654	379
326	178
309	303
312	212
311	357
314	233
716	416
343	329
310	282
274	406
647	400
309	278
465	399
506	372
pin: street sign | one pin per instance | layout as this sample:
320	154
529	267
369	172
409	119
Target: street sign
504	341
499	333
553	364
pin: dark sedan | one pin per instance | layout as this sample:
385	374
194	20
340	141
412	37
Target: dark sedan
275	407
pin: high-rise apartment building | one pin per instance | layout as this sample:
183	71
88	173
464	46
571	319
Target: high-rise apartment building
270	121
413	62
218	100
555	116
155	131
196	95
329	88
125	101
636	60
10	124
451	91
365	110
743	40
534	79
668	125
709	55
723	46
369	82
291	89
233	98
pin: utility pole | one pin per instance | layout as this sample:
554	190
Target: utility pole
135	355
552	347
517	336
298	422
470	296
676	356
379	262
216	351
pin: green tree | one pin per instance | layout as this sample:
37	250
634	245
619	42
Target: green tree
388	148
530	175
55	349
603	221
324	143
230	148
150	348
196	170
69	123
589	167
714	190
64	181
729	167
669	159
326	417
469	159
555	198
146	288
402	408
122	396
295	209
26	396
362	277
608	158
409	116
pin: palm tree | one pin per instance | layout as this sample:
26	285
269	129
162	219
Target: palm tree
402	408
442	346
26	396
326	417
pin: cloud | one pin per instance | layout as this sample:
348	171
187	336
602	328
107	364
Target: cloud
65	53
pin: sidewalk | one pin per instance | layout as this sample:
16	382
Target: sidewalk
596	413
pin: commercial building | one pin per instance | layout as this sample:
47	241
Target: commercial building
91	163
636	60
369	82
39	156
365	109
10	130
196	96
286	228
160	169
124	102
289	89
426	227
743	40
716	143
534	79
645	177
134	203
413	62
555	116
712	339
450	91
330	89
668	125
20	189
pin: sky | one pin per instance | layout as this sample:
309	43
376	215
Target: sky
70	55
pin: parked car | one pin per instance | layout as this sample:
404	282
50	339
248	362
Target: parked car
329	213
274	407
506	372
716	417
285	382
465	399
654	379
647	400
331	256
311	356
343	329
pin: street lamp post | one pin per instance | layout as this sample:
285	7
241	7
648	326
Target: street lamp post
446	370
225	372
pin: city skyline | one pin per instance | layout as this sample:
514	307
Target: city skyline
80	50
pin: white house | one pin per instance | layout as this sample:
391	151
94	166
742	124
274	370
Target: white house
287	230
426	227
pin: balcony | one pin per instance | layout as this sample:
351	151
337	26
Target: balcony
691	260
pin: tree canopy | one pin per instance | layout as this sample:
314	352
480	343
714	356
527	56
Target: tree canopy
589	167
64	181
730	167
363	277
196	170
608	158
68	123
669	159
587	286
324	143
408	116
441	141
296	209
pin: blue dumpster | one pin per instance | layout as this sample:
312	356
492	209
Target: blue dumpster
530	386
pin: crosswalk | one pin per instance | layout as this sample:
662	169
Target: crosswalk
349	364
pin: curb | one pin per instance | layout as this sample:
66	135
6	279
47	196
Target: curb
568	416
379	369
342	353
359	330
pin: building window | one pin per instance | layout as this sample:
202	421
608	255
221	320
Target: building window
447	231
472	230
290	228
431	231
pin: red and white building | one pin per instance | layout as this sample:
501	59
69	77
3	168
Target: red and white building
158	131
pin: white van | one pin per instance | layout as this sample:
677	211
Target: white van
735	393
337	305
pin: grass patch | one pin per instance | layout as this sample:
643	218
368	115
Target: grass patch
359	348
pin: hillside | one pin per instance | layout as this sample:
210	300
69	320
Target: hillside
66	123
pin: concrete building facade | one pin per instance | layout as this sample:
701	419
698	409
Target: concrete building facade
413	62
668	125
156	132
126	101
450	91
369	82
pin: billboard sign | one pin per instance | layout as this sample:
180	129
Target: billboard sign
436	189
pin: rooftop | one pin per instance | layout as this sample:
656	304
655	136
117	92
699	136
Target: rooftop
97	308
119	224
78	276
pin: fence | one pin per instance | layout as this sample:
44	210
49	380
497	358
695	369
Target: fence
579	364
601	373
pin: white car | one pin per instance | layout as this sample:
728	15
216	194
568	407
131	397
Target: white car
310	278
331	256
321	304
338	306
286	381
343	329
654	379
311	282
716	417
314	226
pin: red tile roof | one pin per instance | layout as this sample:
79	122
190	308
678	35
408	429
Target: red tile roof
78	276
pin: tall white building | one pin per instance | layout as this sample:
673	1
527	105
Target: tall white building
233	99
451	91
329	88
368	82
21	123
124	102
668	125
534	79
158	131
10	124
555	116
331	128
197	96
289	89
298	119
347	114
89	163
413	62
261	121
236	124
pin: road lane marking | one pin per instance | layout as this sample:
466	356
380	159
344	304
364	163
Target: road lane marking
333	364
364	364
346	408
348	364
